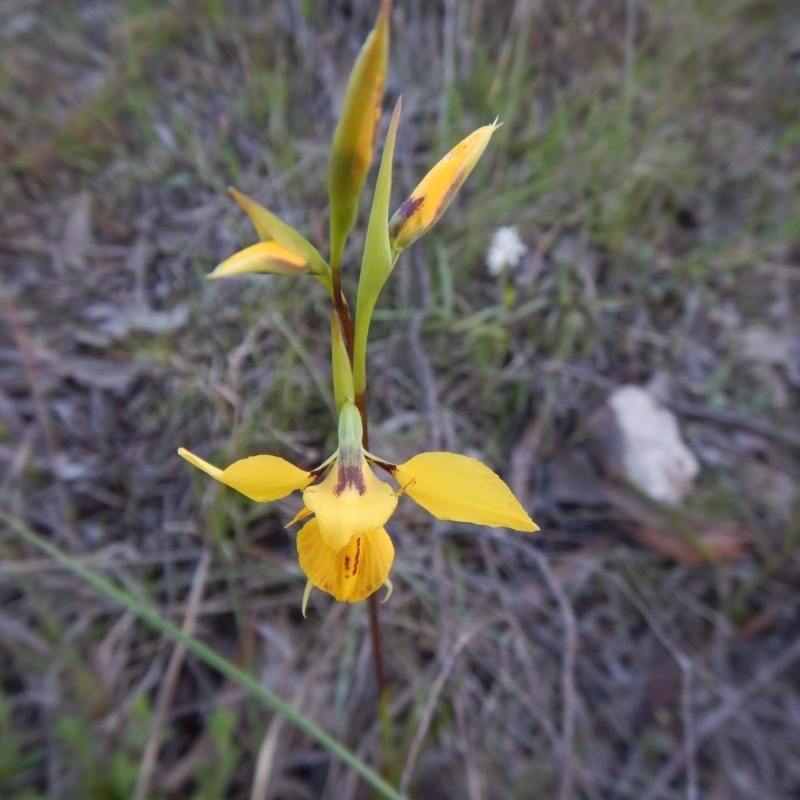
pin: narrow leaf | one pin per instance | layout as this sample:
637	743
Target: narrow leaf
377	261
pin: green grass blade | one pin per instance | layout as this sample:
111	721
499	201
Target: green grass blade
205	653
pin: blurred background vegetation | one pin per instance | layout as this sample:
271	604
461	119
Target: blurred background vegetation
650	161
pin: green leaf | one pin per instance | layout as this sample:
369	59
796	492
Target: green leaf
377	261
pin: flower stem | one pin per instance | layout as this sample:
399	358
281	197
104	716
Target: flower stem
377	654
374	625
361	404
340	304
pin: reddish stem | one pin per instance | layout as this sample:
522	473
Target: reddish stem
340	304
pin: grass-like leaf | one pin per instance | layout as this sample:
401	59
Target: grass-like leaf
153	618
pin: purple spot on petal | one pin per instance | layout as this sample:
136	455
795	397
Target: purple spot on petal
408	208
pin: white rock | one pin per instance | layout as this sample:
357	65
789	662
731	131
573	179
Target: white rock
654	456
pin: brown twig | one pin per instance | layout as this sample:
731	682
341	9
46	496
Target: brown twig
569	693
720	715
734	419
170	683
51	443
430	705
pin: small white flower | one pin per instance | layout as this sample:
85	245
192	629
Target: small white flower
505	251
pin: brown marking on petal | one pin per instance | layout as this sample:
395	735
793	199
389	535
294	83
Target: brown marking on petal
386	466
350	476
407	209
347	566
357	559
454	186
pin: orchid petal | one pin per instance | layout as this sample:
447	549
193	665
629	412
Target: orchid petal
271	258
261	478
355	571
209	469
265	478
461	489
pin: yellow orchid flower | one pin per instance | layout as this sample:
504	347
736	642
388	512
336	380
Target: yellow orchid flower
345	550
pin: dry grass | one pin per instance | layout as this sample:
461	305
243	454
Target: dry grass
651	160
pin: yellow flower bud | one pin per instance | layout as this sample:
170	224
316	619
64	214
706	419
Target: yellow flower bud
426	204
354	138
265	257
